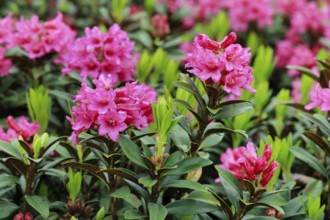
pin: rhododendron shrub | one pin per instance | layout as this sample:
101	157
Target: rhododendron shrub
111	110
123	136
99	53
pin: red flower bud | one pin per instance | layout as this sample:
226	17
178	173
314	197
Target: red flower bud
19	216
28	216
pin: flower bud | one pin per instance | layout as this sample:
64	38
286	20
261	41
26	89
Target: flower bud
28	216
19	216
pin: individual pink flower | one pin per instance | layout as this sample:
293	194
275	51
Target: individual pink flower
99	53
319	97
22	127
112	123
223	63
244	164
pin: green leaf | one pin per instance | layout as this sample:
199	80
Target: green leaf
190	207
121	193
7	180
124	173
319	141
305	71
147	182
231	186
10	149
39	204
132	151
230	109
100	214
275	201
185	184
310	160
156	211
7	208
134	214
189	164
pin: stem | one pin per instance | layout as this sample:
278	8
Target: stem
29	181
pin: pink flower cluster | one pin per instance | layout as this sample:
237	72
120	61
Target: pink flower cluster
35	37
21	127
109	110
223	63
290	53
319	97
305	15
244	12
5	63
6	34
100	53
160	25
244	164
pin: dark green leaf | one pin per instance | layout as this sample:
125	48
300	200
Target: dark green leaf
10	149
310	160
134	214
275	201
189	164
305	71
190	207
26	147
132	151
231	186
230	109
319	141
94	170
156	211
186	184
39	204
7	208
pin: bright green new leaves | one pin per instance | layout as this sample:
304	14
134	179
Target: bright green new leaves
280	109
39	143
39	103
163	112
263	64
74	184
117	9
154	65
212	29
313	207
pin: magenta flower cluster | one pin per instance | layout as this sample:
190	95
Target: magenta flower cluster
319	97
21	127
244	164
110	110
221	63
243	12
99	53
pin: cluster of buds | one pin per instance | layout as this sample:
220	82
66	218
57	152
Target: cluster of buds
21	216
77	209
244	164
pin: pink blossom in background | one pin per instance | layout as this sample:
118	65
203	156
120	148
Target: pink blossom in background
244	164
39	39
319	97
111	110
223	63
6	30
243	12
19	127
289	53
160	25
289	7
296	90
99	53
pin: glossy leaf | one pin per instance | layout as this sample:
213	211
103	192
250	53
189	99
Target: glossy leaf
190	207
230	109
310	160
156	211
39	204
132	151
189	164
7	208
